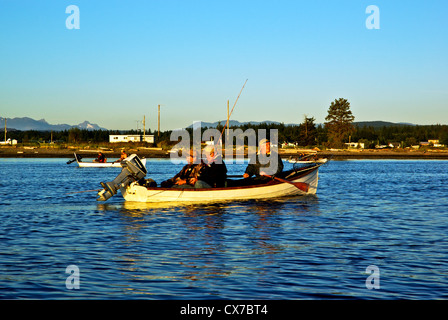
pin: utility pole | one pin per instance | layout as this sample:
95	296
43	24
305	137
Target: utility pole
144	130
158	125
228	116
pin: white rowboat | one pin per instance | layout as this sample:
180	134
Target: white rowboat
290	183
92	164
320	161
272	189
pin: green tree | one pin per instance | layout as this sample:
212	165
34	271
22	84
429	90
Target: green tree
444	137
307	136
74	135
339	122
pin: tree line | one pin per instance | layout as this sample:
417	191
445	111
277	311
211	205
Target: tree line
338	129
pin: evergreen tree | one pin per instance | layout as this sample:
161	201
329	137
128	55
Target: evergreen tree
339	122
307	129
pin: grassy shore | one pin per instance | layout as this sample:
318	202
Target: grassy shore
39	152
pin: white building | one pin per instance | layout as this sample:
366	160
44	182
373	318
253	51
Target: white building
131	138
9	141
355	145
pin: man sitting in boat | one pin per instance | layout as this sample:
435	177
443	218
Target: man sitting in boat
101	158
213	172
265	163
188	176
123	156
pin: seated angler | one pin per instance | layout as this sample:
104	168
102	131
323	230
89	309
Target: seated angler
271	163
187	177
101	158
213	172
123	156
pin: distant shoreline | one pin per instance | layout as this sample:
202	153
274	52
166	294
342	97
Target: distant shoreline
158	153
392	155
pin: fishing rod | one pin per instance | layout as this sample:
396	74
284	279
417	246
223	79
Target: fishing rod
222	132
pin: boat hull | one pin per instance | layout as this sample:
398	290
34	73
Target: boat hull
273	189
82	164
319	161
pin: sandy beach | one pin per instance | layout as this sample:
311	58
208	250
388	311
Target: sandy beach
36	152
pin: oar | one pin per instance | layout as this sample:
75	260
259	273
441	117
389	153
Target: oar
307	156
299	185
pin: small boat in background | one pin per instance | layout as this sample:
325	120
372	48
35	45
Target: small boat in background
93	164
307	159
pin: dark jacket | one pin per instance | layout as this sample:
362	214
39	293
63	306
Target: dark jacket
188	171
254	167
101	158
215	174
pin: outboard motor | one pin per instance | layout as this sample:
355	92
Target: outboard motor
132	170
77	157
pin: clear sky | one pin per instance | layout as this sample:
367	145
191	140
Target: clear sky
192	56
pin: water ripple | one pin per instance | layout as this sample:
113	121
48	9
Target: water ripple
391	214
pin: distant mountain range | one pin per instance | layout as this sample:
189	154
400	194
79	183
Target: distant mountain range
380	124
232	123
26	123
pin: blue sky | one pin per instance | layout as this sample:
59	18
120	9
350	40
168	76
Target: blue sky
192	56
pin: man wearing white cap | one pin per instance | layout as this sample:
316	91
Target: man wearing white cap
213	172
265	163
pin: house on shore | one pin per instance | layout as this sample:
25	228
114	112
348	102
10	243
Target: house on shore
433	142
355	145
131	138
8	142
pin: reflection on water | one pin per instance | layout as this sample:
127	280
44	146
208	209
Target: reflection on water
209	241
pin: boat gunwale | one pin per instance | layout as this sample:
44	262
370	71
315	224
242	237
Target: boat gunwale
298	174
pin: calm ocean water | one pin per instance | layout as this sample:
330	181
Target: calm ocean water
389	214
